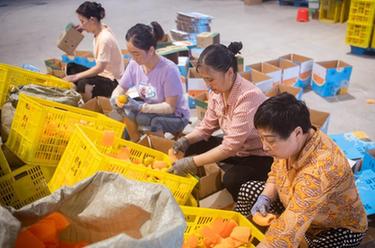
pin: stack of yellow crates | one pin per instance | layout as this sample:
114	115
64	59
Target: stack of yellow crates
361	24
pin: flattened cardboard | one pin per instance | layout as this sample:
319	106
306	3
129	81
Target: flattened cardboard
69	40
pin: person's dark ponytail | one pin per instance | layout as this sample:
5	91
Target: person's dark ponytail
220	57
91	9
143	36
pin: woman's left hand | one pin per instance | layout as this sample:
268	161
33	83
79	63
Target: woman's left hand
184	166
71	78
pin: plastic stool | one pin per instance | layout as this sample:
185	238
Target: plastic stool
303	15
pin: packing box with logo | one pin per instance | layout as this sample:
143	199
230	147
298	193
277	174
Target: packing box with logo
259	79
268	69
70	39
330	78
305	69
207	38
319	119
281	88
290	71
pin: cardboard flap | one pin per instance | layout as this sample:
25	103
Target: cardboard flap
155	142
98	104
296	58
318	118
257	76
281	88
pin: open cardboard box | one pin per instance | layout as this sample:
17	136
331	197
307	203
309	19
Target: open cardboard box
259	79
319	119
98	104
281	88
305	68
209	175
268	69
201	104
290	70
330	78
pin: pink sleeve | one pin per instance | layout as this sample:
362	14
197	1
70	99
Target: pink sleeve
210	122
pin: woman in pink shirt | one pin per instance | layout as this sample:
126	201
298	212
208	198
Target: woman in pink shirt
231	107
101	79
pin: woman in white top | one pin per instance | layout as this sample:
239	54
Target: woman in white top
101	79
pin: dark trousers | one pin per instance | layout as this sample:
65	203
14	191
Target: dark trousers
103	86
242	169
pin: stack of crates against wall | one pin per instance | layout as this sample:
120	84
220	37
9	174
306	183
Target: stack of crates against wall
16	76
361	23
198	218
90	150
23	185
41	129
333	11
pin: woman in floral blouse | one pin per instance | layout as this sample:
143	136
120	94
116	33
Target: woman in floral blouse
310	187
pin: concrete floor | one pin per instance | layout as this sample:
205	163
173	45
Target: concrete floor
30	28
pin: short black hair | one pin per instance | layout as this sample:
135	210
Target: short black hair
220	57
91	9
143	36
282	114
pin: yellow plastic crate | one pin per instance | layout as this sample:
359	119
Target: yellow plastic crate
4	166
196	218
373	38
333	11
362	12
16	76
358	35
24	185
85	155
41	129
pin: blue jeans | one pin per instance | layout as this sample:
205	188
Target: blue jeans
167	123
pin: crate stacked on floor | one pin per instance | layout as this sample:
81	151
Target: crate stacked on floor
297	3
360	29
333	11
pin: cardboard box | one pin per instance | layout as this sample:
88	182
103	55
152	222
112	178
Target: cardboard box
209	181
305	69
69	40
220	200
195	82
201	103
290	71
252	2
259	79
98	104
281	88
319	119
369	160
330	78
268	69
183	65
207	38
155	142
209	175
240	63
55	67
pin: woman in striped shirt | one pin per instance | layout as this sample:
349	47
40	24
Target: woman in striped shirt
231	107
